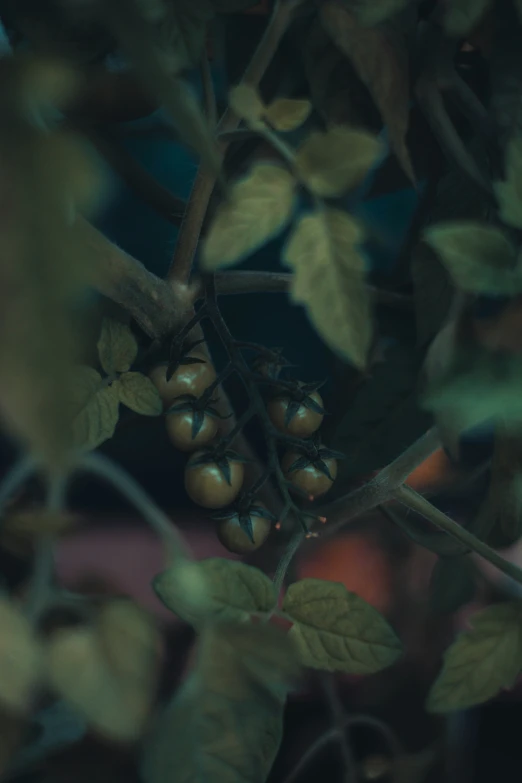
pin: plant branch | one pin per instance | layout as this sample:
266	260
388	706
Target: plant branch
154	305
205	180
416	502
14	478
251	282
40	590
243	370
380	489
288	555
177	549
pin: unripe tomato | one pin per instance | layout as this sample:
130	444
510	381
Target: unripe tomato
236	539
309	479
207	486
179	429
303	423
190	379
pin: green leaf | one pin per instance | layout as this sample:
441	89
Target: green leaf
475	389
43	267
380	58
20	659
452	584
108	674
381	417
329	279
259	207
234	590
509	191
225	723
337	160
479	258
117	346
482	661
287	114
246	102
461	16
97	416
138	393
337	631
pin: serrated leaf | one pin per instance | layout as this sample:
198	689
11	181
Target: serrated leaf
336	630
113	694
117	346
259	207
287	114
380	58
482	661
509	191
334	161
97	419
329	279
476	389
234	590
461	16
138	393
225	723
246	102
452	584
20	659
479	258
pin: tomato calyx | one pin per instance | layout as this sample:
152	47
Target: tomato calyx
221	458
299	395
180	357
313	452
270	362
198	407
244	510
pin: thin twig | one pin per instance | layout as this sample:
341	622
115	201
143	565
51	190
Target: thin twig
208	91
413	500
14	478
332	735
205	180
288	555
40	590
175	545
380	489
252	282
338	715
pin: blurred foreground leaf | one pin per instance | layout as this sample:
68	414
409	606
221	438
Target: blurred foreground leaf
225	724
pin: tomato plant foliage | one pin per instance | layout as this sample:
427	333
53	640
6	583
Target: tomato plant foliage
341	105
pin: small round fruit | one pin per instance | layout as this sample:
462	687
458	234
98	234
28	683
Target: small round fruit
309	479
237	540
206	485
190	379
303	423
179	429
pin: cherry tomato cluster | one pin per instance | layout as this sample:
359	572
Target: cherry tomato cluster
297	410
214	473
213	476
